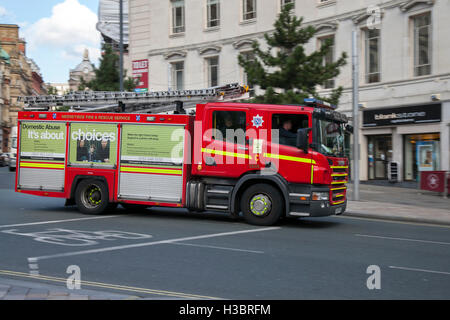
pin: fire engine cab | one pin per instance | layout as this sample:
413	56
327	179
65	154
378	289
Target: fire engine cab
262	161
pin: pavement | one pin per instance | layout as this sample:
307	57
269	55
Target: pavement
30	290
399	204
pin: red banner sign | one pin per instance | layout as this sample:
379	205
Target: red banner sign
140	71
433	180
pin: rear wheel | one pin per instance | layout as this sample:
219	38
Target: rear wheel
92	197
262	205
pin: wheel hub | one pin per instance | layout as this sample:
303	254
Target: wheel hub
92	197
260	205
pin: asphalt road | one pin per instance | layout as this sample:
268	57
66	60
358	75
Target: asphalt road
172	254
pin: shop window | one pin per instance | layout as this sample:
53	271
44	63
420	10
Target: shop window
422	153
379	156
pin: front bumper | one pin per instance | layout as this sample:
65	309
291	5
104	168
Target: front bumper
305	207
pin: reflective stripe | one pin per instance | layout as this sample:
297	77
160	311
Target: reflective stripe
339	175
289	158
42	165
226	153
339	195
312	174
339	182
338	202
338	188
151	170
339	167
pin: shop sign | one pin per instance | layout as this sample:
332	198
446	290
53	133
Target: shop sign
433	181
403	115
140	74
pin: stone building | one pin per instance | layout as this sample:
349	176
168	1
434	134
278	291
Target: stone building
404	63
5	79
20	78
85	70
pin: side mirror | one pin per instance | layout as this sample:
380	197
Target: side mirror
302	139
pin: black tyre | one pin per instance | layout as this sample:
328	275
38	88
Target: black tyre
262	205
92	196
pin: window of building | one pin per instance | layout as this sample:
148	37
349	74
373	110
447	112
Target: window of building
422	44
372	48
178	16
248	56
213	13
422	153
249	10
285	2
177	75
213	71
329	58
285	127
229	126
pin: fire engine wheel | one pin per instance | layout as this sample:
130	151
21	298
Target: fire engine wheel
92	197
262	205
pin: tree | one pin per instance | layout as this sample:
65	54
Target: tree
51	90
107	76
285	71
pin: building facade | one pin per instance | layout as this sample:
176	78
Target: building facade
19	82
404	64
84	70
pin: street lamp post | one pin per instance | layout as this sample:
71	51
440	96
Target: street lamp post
355	115
121	45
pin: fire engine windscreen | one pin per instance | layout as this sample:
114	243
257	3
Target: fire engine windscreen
330	138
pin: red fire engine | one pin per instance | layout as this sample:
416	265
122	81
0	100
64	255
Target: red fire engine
264	161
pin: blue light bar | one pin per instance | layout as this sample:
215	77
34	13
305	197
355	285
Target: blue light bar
319	103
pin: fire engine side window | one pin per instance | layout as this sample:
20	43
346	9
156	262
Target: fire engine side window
287	126
229	126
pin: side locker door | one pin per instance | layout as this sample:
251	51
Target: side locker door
151	163
42	156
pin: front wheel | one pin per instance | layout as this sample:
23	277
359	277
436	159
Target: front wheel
262	205
92	197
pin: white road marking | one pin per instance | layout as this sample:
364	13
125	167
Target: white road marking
214	247
67	237
419	270
145	244
402	239
383	220
54	221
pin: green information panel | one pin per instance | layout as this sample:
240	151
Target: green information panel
93	143
152	144
43	141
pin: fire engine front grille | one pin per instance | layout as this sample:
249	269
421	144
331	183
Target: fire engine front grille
339	184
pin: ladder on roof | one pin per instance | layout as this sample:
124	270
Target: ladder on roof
133	102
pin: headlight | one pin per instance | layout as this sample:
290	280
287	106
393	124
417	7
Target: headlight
317	196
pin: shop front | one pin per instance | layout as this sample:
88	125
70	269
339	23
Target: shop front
408	136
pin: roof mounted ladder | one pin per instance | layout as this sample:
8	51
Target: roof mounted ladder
152	102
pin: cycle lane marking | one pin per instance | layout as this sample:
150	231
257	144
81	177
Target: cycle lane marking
54	221
146	244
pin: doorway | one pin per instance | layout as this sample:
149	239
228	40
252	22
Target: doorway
379	156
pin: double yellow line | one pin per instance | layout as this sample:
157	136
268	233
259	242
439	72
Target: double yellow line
109	286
